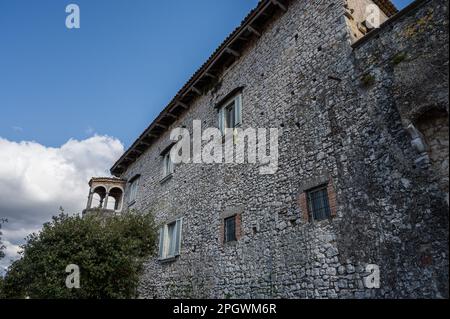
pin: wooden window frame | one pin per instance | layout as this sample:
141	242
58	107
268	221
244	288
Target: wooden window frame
232	106
170	237
226	239
304	200
133	190
313	211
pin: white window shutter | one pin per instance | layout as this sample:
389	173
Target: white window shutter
161	242
178	232
221	121
164	166
171	170
238	109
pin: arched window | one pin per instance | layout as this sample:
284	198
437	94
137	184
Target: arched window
116	198
111	203
433	125
98	197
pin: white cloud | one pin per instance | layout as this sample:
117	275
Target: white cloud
36	180
11	253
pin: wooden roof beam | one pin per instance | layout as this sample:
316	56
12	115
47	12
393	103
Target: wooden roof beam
232	52
183	105
171	115
137	151
161	126
144	143
279	4
195	90
212	76
253	30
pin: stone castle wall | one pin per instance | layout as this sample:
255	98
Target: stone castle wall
340	122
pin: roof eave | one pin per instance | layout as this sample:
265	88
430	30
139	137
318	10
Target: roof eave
205	71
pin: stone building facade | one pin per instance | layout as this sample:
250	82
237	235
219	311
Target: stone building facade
363	120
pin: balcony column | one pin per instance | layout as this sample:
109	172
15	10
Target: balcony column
105	205
89	202
119	203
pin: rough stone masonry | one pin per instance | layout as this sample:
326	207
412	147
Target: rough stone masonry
363	112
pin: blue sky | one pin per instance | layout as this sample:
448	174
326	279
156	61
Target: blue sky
402	3
112	76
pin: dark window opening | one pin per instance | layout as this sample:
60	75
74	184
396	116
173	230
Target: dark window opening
230	229
229	116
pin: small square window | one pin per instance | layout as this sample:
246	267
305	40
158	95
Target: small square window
318	203
230	229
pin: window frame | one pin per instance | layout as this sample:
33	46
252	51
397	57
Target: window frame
230	110
225	229
170	237
168	166
133	190
312	210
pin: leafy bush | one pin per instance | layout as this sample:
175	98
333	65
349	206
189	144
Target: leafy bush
108	251
1	287
2	255
2	247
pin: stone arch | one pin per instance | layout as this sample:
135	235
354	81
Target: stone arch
416	114
430	133
98	196
433	125
111	205
116	197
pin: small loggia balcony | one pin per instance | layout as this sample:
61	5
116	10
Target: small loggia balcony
106	196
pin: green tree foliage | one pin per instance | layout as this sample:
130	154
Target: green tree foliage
109	253
2	255
2	247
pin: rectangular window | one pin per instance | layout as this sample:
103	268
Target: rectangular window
170	240
230	114
230	229
132	195
318	203
168	168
